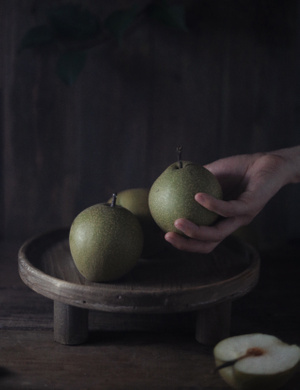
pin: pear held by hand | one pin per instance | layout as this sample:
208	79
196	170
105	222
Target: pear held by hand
172	195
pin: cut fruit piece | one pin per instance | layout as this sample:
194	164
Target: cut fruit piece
256	361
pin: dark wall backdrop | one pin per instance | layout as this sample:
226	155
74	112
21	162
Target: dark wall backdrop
230	85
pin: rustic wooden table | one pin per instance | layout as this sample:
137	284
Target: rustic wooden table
170	282
151	356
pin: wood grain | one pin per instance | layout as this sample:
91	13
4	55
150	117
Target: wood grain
230	85
167	359
174	282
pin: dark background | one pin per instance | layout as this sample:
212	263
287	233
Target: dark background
230	85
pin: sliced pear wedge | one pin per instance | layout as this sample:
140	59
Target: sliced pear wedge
256	361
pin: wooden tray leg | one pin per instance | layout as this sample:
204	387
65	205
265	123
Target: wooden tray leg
70	324
213	323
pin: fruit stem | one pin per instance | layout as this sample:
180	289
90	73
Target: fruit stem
114	198
179	152
250	352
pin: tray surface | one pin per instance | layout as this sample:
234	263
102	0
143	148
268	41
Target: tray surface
173	282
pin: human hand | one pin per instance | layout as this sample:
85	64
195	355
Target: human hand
248	182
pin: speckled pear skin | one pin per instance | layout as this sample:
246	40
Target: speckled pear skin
136	201
172	195
105	242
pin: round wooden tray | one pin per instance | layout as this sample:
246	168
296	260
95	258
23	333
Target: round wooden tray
173	282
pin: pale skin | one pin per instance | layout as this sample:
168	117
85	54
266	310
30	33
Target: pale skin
248	181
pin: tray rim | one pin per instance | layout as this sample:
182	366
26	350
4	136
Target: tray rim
31	274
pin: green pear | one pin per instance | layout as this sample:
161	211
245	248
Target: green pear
136	201
172	195
106	242
256	361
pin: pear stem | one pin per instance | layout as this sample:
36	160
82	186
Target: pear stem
250	352
114	198
179	152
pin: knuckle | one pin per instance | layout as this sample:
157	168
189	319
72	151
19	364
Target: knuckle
194	235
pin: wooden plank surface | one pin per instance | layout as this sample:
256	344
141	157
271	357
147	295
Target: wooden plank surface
229	86
165	357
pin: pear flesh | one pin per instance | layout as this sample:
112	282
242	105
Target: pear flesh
259	361
172	195
105	242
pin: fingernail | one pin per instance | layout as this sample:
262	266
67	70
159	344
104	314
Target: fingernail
199	197
177	223
167	237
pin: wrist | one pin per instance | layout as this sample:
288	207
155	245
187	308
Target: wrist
291	163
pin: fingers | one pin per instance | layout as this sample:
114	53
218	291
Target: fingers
186	244
201	239
214	233
221	207
204	239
